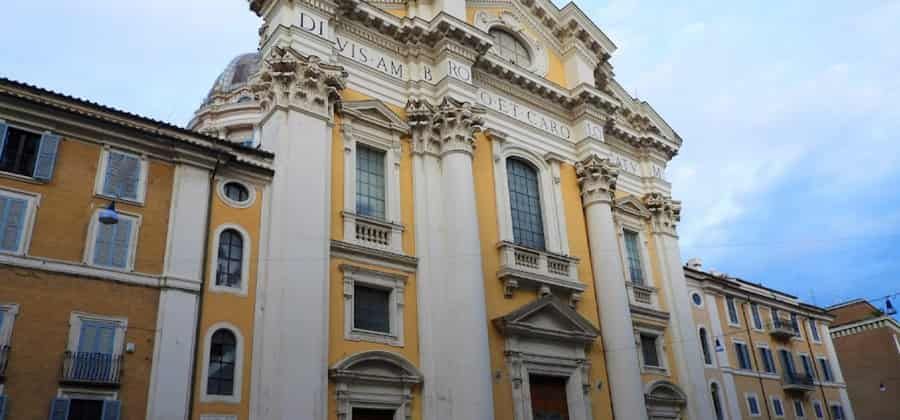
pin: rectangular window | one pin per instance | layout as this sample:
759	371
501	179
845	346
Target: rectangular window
757	320
743	356
85	409
817	408
15	220
777	407
649	350
96	337
371	309
814	330
795	324
370	176
27	153
372	414
799	411
113	245
787	362
732	311
635	269
753	405
837	412
826	370
807	365
768	361
123	176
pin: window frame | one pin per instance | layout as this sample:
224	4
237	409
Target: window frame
77	318
818	409
717	399
772	400
381	155
235	398
700	295
756	315
93	230
771	355
640	244
245	260
542	224
827	375
394	283
100	176
731	301
15	175
251	193
832	405
659	345
706	348
738	356
34	203
811	369
518	42
815	335
9	311
799	414
755	397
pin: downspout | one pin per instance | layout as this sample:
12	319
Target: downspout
752	351
204	272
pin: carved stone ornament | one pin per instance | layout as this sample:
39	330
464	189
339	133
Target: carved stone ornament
666	212
287	78
447	128
597	177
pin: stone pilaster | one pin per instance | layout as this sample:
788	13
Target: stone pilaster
452	313
666	213
597	178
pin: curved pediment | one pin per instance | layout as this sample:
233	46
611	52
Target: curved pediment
547	318
376	366
665	392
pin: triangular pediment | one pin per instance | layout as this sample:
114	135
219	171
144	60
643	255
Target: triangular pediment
376	113
547	318
633	206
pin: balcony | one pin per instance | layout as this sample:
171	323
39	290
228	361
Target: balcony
640	295
783	329
4	360
526	267
373	233
91	369
801	382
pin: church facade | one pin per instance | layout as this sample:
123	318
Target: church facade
392	210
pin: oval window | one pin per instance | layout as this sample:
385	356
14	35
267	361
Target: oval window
236	192
698	300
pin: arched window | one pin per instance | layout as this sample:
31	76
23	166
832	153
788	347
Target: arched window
525	204
230	260
222	360
511	48
704	344
717	403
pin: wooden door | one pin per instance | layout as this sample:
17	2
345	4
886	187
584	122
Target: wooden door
548	398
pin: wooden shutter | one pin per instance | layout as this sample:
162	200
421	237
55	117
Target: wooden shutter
121	243
46	157
12	222
103	243
111	410
59	410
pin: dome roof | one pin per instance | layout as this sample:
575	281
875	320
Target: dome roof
235	75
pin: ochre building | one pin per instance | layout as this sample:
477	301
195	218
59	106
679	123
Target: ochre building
444	210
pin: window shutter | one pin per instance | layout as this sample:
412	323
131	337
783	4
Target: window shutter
46	157
111	410
3	127
104	242
120	243
111	177
12	222
59	410
2	407
130	177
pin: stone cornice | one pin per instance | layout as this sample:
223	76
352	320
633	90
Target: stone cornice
865	325
597	178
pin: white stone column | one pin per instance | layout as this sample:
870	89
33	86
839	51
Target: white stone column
453	317
685	345
176	322
597	178
296	94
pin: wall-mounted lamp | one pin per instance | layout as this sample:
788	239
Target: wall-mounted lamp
719	347
109	215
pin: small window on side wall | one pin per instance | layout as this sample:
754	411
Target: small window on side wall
122	176
27	153
229	266
16	214
635	265
222	361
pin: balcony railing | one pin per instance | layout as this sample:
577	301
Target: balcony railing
373	233
783	328
4	359
794	381
99	369
642	295
521	266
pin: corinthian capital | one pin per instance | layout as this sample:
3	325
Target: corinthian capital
666	212
597	178
287	78
447	128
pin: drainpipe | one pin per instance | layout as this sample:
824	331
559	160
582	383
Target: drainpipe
752	351
204	272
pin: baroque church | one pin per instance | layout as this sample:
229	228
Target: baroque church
393	210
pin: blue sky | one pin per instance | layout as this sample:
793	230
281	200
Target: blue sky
790	169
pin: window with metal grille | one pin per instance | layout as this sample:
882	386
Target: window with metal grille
635	269
231	258
649	350
509	47
222	356
371	309
369	182
525	204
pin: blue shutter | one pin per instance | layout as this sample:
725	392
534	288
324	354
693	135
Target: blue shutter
111	409
59	410
2	407
121	241
104	242
111	177
3	127
12	222
129	177
46	157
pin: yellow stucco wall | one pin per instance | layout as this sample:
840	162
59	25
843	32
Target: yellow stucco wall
232	308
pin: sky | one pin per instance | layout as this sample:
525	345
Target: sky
790	169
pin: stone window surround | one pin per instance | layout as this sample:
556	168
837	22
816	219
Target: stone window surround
552	207
395	283
101	175
759	408
627	222
709	345
811	323
235	398
77	317
663	368
10	312
356	387
702	299
738	357
245	260
522	361
132	246
772	399
773	353
759	309
220	190
737	310
356	130
34	202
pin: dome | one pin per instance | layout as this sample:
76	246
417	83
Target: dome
235	75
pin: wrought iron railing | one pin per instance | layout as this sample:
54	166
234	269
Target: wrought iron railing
91	368
798	380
